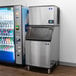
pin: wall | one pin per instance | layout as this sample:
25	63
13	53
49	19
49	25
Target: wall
67	27
12	2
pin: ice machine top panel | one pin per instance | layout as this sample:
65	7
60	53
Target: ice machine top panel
44	15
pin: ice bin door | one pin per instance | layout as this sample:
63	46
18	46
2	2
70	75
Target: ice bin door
39	34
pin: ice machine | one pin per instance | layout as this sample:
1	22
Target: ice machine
13	20
42	38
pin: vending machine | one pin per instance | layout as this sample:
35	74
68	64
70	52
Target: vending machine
13	23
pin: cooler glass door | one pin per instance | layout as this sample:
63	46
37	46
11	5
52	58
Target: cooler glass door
7	52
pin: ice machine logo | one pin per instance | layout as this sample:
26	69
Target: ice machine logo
50	8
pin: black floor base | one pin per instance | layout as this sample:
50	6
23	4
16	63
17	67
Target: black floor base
42	70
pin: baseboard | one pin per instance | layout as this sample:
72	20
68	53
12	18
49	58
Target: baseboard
67	64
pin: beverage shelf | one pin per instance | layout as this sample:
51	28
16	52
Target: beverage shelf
7	44
5	20
12	50
6	36
6	28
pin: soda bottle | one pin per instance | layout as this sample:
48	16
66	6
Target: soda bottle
0	40
0	32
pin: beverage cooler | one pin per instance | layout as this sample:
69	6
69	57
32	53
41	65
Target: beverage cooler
13	20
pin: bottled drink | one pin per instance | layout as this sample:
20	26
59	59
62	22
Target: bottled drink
0	40
7	33
0	32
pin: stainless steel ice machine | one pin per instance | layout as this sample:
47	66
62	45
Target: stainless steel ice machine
42	38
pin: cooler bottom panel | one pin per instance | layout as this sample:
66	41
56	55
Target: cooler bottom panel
7	57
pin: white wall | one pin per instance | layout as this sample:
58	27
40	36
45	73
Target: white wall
67	27
12	2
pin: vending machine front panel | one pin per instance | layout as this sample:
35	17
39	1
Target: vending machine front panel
7	48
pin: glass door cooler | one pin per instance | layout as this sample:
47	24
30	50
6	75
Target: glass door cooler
12	32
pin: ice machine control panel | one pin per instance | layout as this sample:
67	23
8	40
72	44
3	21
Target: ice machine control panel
18	34
44	15
50	21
